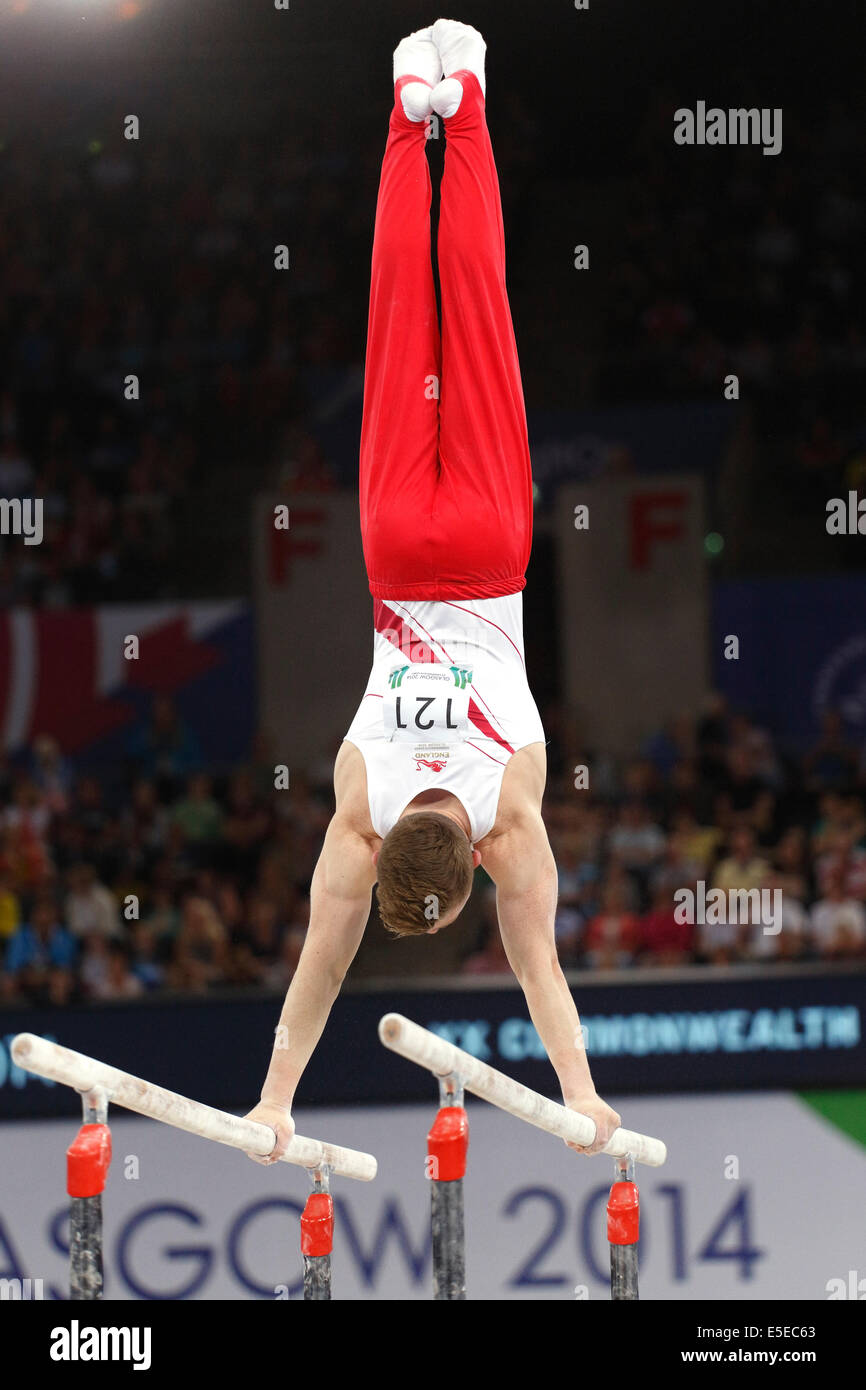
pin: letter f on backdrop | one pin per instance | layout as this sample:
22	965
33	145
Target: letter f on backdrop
653	517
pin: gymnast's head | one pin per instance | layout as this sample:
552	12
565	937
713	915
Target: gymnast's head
424	869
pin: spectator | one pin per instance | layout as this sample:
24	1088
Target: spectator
165	750
145	820
40	957
576	879
258	944
27	823
842	859
162	919
740	786
838	922
230	908
686	792
245	828
721	942
713	736
636	843
675	743
198	815
148	955
613	936
696	844
10	909
117	981
201	955
832	762
834	816
94	963
52	774
791	863
664	940
758	745
791	941
88	808
743	868
91	909
679	867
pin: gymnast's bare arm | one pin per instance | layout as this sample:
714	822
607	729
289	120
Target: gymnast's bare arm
518	858
340	898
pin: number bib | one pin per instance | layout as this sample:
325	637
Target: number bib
427	702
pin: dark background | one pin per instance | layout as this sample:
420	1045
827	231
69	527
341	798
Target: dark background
291	107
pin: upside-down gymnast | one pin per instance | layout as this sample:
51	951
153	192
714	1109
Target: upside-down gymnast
443	767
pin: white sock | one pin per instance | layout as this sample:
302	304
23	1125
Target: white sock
417	56
460	46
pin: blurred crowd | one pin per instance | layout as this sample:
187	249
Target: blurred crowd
146	339
740	269
743	266
177	881
180	881
708	801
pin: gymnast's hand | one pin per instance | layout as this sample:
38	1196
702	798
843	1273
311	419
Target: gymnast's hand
279	1119
606	1120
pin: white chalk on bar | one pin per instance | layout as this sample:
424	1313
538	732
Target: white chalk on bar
442	1057
83	1073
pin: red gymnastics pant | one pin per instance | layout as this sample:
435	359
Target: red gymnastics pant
445	484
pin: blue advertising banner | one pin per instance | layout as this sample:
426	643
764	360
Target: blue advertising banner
792	1030
802	652
688	437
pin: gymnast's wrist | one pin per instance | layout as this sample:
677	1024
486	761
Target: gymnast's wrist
579	1095
279	1102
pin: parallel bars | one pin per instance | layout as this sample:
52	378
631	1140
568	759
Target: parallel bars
449	1138
90	1154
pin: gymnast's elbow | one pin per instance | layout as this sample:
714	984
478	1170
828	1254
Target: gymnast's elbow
536	967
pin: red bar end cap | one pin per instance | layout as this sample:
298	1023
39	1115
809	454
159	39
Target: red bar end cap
448	1144
623	1214
87	1161
317	1225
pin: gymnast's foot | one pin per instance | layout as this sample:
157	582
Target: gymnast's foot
461	49
417	70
